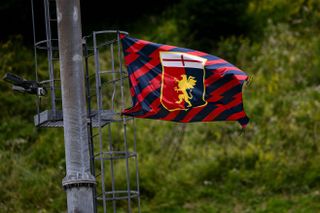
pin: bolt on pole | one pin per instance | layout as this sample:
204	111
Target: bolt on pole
78	181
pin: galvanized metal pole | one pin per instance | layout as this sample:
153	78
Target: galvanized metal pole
79	181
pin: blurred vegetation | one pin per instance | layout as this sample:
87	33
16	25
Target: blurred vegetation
201	167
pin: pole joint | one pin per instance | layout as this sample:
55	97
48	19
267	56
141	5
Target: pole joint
78	179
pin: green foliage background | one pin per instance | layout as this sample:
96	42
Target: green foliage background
203	167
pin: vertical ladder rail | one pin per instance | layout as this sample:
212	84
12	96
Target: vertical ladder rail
35	58
124	125
113	77
114	205
99	106
136	162
49	50
90	128
110	133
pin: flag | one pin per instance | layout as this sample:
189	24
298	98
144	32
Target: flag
183	85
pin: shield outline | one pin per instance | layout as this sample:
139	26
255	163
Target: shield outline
162	81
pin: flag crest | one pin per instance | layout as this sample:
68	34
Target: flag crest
182	85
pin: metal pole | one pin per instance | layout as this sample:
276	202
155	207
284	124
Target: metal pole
79	181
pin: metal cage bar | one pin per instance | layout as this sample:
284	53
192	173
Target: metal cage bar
124	124
90	126
114	205
99	109
50	55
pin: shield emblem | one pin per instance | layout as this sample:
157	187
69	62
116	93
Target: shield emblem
182	83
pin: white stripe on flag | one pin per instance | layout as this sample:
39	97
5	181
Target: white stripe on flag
179	59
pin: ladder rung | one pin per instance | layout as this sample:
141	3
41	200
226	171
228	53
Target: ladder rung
95	135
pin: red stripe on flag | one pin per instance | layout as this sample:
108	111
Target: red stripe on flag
171	115
241	77
236	116
154	109
132	93
146	67
133	50
217	61
130	58
155	54
218	74
225	69
197	53
137	46
155	84
166	47
222	107
133	80
216	94
213	78
190	115
155	104
122	35
133	109
141	43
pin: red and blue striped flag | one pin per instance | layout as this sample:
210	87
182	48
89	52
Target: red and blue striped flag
183	85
